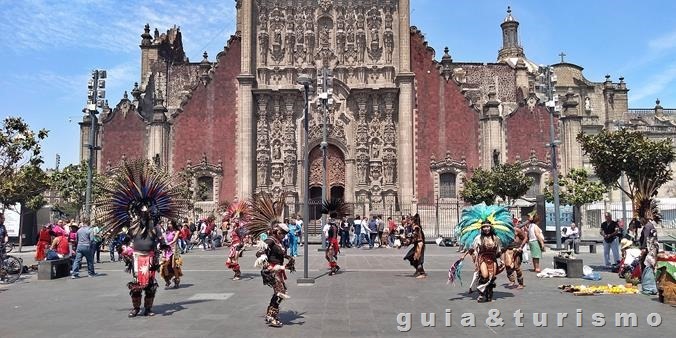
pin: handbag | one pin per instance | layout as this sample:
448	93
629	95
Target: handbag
51	255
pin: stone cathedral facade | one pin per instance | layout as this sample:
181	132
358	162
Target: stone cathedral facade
403	127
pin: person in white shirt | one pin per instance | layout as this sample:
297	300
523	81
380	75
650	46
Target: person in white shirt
572	236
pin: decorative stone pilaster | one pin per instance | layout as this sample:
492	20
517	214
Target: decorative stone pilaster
571	125
491	131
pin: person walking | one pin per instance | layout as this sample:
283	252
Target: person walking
96	242
83	249
536	242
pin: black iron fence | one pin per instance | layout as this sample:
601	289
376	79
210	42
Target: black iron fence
437	219
593	214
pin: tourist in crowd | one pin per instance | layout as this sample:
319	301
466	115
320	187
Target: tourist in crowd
610	231
44	240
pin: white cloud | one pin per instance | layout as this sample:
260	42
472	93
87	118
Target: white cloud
664	42
655	84
40	25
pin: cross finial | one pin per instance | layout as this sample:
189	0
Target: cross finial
562	54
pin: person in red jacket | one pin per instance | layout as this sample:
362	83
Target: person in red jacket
44	240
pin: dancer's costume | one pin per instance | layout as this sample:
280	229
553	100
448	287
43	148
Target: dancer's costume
485	246
266	217
416	255
137	195
238	214
172	262
336	209
514	255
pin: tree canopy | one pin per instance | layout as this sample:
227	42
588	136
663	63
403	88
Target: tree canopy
645	162
507	181
71	185
576	189
21	178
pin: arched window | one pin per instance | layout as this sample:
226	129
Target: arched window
205	188
534	189
447	185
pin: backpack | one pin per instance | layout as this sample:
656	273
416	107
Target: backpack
209	229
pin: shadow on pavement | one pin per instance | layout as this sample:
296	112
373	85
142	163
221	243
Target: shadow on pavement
171	308
287	317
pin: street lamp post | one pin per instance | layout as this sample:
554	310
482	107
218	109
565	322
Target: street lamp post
553	144
305	81
324	147
95	99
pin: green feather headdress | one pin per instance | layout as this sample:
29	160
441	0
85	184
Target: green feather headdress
473	217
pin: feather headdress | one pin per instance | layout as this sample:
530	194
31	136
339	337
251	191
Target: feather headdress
137	195
238	211
337	206
266	212
473	217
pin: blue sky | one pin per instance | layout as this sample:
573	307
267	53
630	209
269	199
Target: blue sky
49	47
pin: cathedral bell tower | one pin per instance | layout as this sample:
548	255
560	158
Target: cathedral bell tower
511	47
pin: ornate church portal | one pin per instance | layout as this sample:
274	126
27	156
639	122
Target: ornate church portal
358	42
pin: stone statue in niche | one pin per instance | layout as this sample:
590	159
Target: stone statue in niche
340	47
290	42
276	173
309	20
340	19
375	51
375	171
388	170
496	157
277	50
263	20
325	37
263	43
587	104
262	172
389	46
277	151
388	18
361	46
375	148
362	166
289	167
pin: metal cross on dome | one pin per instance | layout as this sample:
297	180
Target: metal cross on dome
562	54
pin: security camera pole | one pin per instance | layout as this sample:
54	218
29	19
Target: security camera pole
305	81
95	99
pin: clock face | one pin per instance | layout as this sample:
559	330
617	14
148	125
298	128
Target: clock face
531	101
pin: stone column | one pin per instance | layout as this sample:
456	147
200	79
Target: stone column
404	36
571	123
491	131
349	181
159	135
245	126
405	154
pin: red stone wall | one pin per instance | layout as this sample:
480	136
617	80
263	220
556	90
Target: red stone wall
208	123
528	130
122	135
444	120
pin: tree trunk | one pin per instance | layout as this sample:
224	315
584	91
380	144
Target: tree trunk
20	227
577	217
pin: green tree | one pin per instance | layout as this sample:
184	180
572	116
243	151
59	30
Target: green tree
644	162
510	182
506	181
479	188
576	189
71	185
22	181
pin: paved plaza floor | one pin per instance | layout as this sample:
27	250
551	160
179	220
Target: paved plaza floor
374	295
